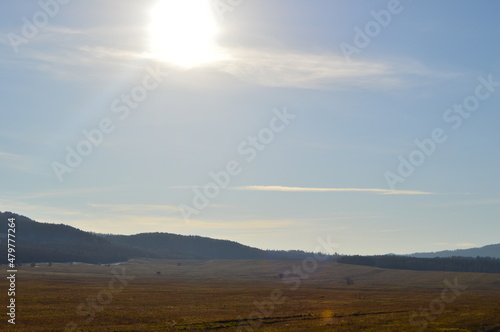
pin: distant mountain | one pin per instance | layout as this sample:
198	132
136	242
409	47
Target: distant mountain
492	250
44	242
186	247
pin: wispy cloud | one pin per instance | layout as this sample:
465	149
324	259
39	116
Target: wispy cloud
35	210
465	244
308	189
391	230
65	192
187	187
136	207
70	54
16	161
321	71
244	224
65	48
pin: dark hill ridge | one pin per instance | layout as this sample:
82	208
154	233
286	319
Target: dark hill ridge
180	246
166	245
44	242
492	250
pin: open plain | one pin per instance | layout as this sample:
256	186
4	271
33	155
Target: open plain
249	295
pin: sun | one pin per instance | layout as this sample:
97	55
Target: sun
183	32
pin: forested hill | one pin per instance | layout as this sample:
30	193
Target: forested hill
197	247
44	242
492	250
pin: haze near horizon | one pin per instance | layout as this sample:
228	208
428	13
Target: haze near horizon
266	123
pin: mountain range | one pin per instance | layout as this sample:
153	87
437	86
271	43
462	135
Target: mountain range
46	242
492	250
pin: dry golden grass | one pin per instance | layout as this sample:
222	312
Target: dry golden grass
220	295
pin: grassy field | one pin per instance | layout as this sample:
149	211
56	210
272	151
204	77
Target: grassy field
168	295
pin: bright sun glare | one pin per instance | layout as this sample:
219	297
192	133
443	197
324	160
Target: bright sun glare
183	32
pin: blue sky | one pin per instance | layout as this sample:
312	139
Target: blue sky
306	135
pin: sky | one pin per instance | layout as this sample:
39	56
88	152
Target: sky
270	123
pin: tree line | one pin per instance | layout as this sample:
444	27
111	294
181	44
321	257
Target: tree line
457	264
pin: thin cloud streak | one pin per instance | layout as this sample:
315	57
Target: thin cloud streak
136	207
294	69
263	67
15	161
392	230
307	189
34	210
65	192
466	244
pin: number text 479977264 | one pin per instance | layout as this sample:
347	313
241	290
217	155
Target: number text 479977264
11	271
